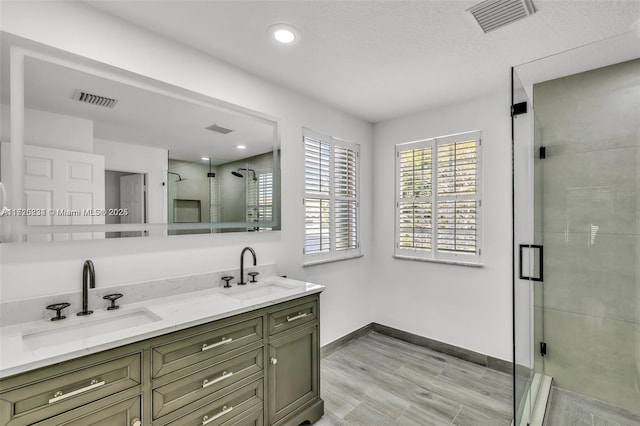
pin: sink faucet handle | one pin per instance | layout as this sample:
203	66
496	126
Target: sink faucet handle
253	276
112	298
227	279
58	307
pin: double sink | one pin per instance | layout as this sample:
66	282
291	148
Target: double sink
125	320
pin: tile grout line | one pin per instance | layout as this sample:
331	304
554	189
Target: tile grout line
457	414
401	414
565	311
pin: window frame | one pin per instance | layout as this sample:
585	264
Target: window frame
332	254
435	255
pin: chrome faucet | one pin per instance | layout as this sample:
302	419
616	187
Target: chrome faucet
88	281
241	282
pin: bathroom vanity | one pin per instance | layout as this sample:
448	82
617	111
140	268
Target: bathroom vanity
251	358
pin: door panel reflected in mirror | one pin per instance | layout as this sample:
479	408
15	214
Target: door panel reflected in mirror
148	157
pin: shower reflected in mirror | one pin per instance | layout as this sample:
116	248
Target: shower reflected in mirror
180	178
240	175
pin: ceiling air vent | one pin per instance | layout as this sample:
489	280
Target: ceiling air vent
219	129
90	98
493	14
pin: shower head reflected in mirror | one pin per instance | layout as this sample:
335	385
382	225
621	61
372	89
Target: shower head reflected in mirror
240	175
180	178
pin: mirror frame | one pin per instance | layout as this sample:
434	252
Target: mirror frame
21	48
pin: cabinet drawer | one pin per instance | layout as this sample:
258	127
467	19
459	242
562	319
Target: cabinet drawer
67	390
292	316
204	346
206	382
122	413
228	410
252	417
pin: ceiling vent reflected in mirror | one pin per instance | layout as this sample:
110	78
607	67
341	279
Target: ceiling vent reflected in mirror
219	129
494	14
90	98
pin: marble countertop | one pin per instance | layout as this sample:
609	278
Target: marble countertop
34	344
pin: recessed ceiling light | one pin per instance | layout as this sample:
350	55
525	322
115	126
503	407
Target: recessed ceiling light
241	147
205	158
284	36
284	33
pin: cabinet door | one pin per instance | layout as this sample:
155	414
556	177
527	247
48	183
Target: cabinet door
293	371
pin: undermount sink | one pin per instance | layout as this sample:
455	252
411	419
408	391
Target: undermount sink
83	328
250	292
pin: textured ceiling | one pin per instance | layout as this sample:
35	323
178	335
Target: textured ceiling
378	59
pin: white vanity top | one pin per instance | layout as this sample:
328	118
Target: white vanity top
29	345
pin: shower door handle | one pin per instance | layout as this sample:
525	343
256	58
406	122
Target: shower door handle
532	248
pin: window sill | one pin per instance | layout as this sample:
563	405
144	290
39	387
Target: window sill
448	262
335	259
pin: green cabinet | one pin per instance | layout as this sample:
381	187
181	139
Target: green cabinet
293	375
293	367
257	368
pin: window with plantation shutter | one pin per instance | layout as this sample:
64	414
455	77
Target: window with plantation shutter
260	199
438	199
331	201
265	196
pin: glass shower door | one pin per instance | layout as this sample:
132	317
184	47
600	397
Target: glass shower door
525	255
578	195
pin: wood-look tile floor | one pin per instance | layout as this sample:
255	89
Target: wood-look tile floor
572	409
381	381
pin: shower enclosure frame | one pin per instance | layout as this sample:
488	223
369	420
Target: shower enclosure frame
614	50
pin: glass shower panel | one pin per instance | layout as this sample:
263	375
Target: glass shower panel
590	196
524	260
582	183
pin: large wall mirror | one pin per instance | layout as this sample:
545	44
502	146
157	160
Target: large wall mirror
91	151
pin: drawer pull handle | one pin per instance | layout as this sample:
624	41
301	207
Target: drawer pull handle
224	341
136	422
207	419
273	361
300	315
225	375
59	396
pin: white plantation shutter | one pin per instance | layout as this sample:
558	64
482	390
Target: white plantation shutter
439	178
345	162
265	196
317	173
331	198
457	204
260	198
414	207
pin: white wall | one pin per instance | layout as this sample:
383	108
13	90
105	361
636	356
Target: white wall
463	306
47	129
33	269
